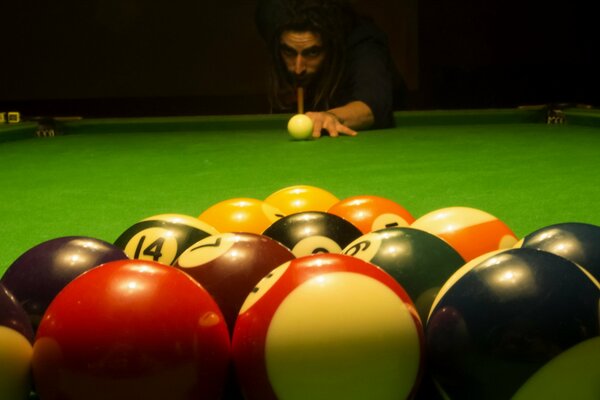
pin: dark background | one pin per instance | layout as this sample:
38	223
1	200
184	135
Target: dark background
184	57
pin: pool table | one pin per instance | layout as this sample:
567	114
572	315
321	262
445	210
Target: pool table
97	177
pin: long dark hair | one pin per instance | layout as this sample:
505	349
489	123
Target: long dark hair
332	20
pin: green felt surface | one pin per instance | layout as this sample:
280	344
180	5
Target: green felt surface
104	175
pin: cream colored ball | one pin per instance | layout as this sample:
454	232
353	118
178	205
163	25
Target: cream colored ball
300	127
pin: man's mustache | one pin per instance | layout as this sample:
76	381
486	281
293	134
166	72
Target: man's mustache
302	80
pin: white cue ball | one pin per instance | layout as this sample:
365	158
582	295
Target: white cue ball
300	127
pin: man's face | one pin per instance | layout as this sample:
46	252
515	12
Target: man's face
302	53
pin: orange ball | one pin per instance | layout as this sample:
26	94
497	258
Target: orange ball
300	198
370	213
241	214
472	232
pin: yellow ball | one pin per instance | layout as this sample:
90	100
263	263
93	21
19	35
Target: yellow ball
299	198
15	362
300	127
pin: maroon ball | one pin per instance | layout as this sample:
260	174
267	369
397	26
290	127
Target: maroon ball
37	276
229	265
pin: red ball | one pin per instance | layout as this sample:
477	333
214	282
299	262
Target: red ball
371	213
328	326
472	232
229	265
131	329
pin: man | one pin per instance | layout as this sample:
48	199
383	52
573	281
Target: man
340	59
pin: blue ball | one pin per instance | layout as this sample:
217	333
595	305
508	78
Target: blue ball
575	241
505	318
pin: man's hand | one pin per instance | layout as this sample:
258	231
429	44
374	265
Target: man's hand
330	123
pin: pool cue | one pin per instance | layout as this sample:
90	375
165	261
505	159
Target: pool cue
300	94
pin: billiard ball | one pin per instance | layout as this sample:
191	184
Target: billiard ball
312	232
160	240
16	340
300	127
370	213
299	198
507	317
42	271
419	261
131	329
241	214
13	315
229	265
569	375
184	219
15	360
470	231
459	273
328	326
575	241
428	389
